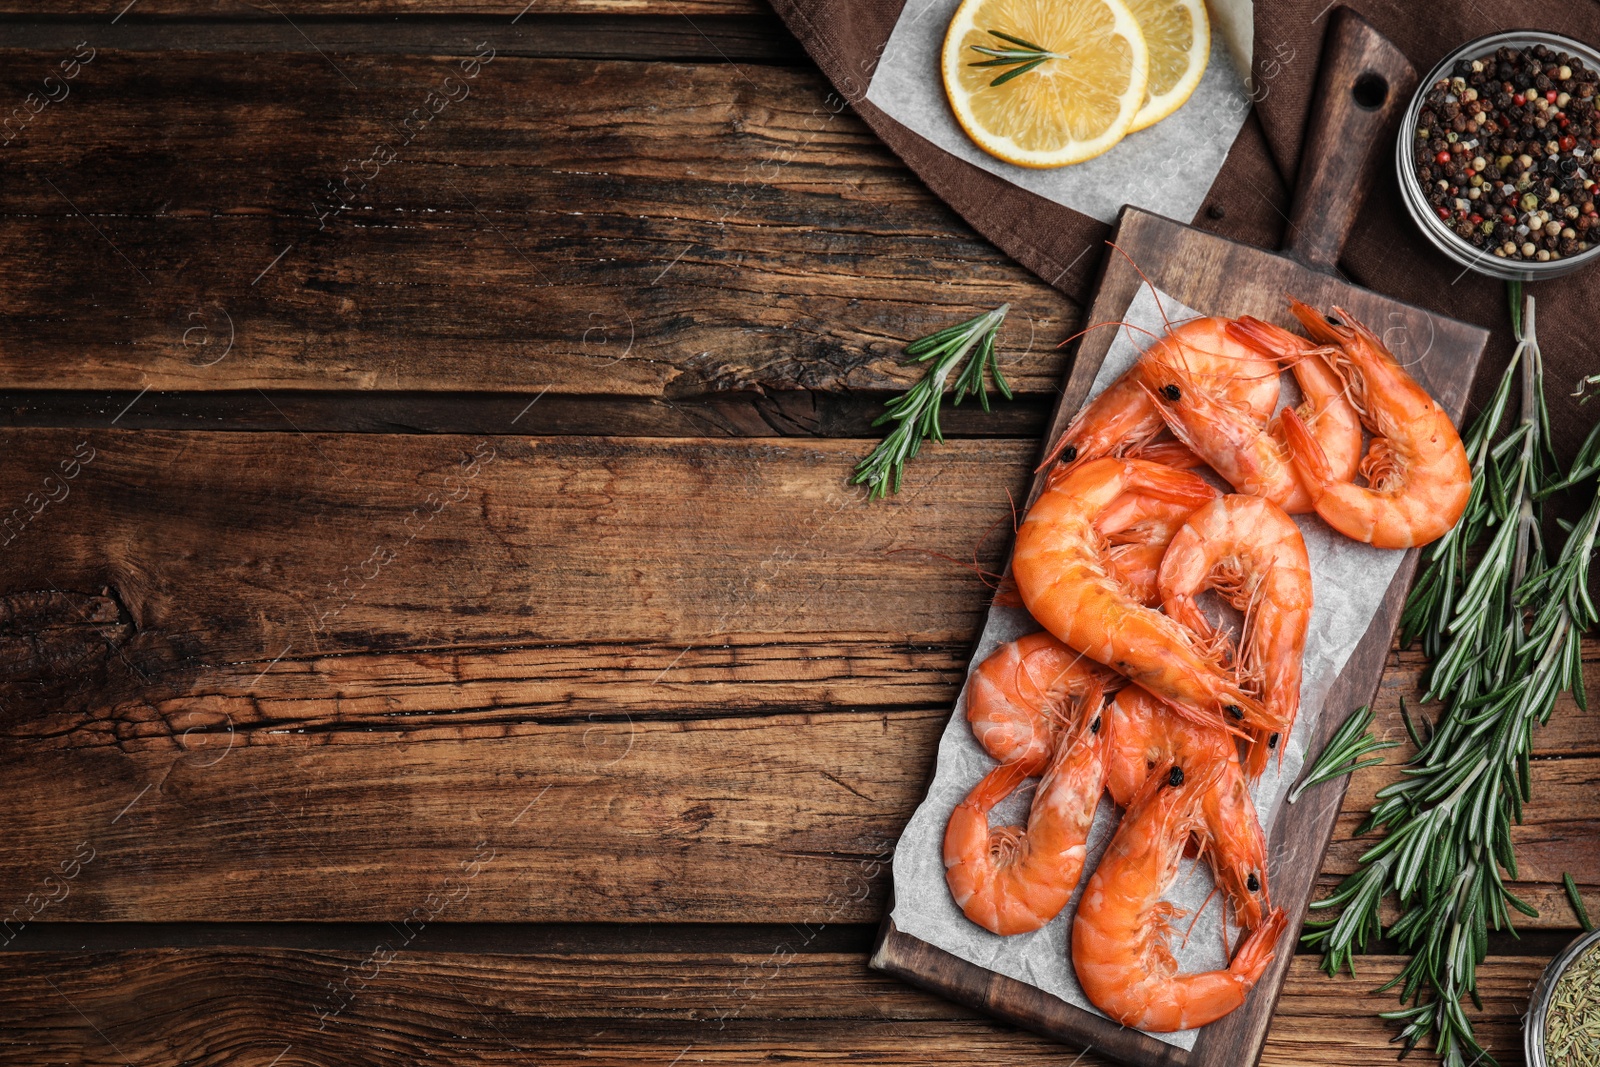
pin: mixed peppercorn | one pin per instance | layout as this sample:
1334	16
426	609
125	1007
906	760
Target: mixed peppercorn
1505	153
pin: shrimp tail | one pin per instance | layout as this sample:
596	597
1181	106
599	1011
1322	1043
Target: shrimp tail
1257	753
1258	949
1171	484
1309	455
1267	338
998	784
1173	454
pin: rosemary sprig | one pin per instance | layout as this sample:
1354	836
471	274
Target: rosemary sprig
916	411
1503	634
1344	752
1023	57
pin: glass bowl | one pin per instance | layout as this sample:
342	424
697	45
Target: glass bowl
1533	1022
1432	227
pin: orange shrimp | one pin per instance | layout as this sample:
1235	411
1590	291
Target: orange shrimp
1254	459
1011	881
1120	934
1417	474
1064	582
1252	554
1145	735
1122	419
1025	691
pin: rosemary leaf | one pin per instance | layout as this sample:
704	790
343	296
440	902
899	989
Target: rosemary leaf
1022	58
1576	899
1343	753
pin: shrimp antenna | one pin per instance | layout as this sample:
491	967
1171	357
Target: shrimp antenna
1201	910
988	578
1155	294
1109	322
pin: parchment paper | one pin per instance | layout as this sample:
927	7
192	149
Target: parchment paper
1167	168
1348	581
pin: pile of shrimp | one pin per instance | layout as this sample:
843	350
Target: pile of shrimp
1131	688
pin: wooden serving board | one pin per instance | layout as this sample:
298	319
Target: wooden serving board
1364	83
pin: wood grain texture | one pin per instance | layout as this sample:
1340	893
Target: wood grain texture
488	11
738	234
660	32
228	1005
1363	83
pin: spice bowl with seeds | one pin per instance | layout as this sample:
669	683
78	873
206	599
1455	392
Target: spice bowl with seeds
1562	1027
1496	155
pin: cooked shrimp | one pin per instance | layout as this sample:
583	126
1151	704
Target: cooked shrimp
1120	934
1417	474
1146	734
1064	582
1252	554
1122	419
1011	881
1022	695
1255	459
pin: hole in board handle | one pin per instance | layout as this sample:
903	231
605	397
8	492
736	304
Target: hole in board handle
1370	91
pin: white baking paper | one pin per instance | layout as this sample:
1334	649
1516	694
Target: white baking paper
1167	168
1348	582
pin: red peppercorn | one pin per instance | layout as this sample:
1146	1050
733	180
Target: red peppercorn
1470	172
1444	213
1568	143
1442	157
1476	218
1519	100
1551	96
1562	121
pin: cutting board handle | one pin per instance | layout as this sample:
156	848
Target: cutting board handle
1364	83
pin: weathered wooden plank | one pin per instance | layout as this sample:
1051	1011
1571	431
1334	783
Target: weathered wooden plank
773	413
489	11
396	1003
223	548
653	30
737	231
772	819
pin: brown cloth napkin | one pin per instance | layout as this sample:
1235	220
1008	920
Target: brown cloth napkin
1249	200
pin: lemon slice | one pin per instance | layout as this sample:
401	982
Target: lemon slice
1179	40
1073	105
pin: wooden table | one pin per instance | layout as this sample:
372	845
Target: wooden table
435	625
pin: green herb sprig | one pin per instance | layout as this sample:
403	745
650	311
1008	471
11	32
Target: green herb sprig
1023	57
1344	752
1503	633
916	411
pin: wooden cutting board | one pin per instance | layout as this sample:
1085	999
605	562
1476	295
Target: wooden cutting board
1363	86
